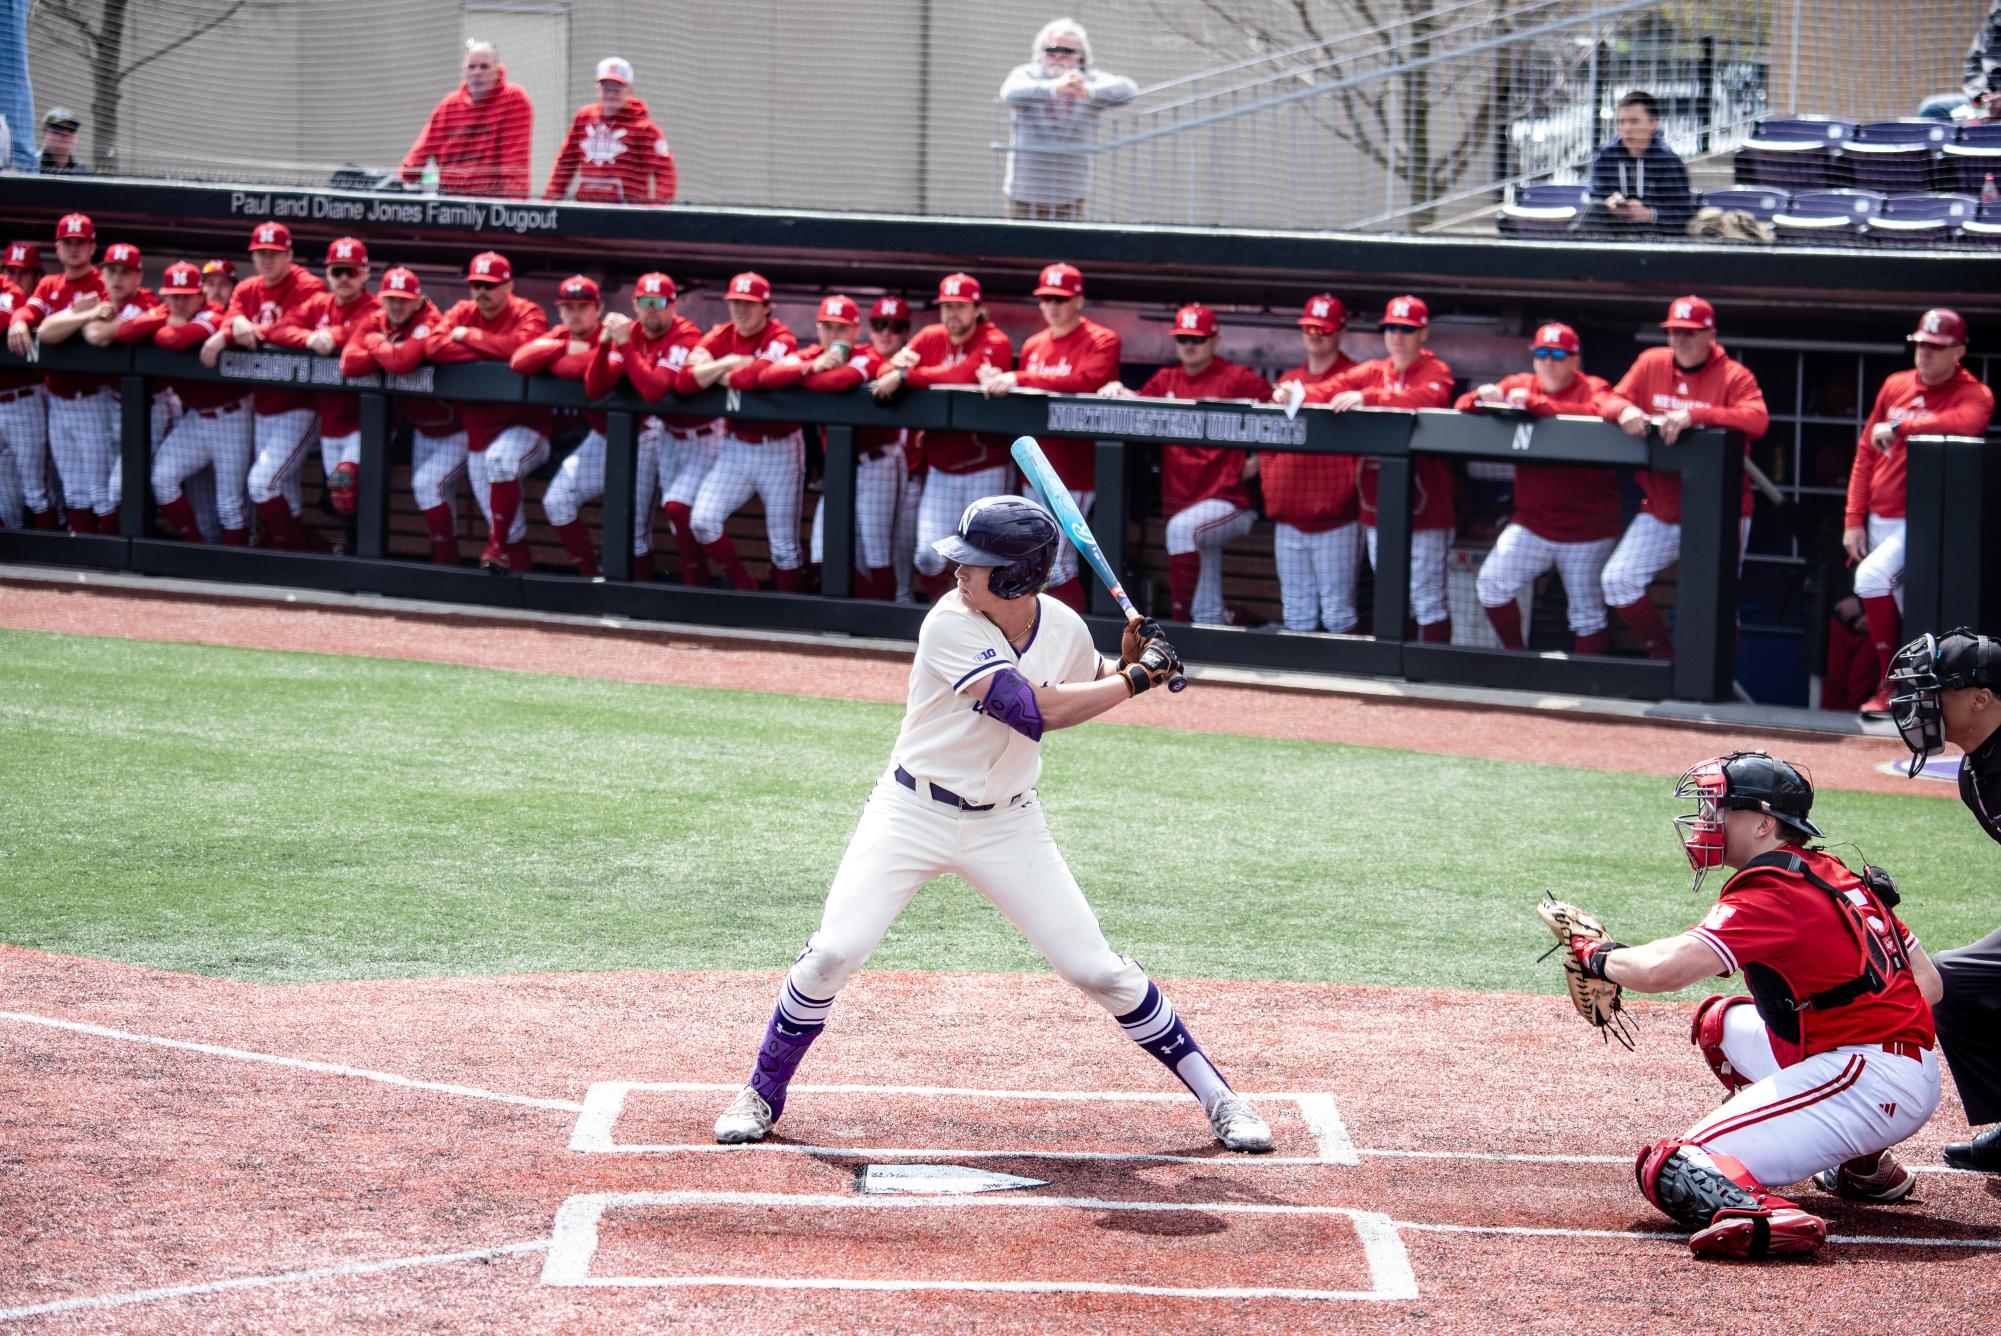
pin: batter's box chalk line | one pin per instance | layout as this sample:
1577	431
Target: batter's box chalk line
604	1104
575	1243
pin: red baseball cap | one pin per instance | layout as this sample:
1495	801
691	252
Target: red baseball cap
270	236
1323	314
1061	280
181	280
22	255
347	250
122	253
75	227
890	308
655	285
225	267
839	309
401	282
1940	326
1194	319
489	267
959	288
1557	336
1690	313
748	286
1406	311
578	288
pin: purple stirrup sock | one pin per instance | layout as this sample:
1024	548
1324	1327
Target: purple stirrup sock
795	1023
1156	1027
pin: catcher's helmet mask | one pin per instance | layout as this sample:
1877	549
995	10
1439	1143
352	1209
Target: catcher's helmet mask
1746	780
1011	534
1928	666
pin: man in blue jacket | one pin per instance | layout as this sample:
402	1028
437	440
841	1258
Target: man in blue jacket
1638	186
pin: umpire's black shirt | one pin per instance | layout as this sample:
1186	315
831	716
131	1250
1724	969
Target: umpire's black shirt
1980	783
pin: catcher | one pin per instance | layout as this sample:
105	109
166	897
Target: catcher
1828	1063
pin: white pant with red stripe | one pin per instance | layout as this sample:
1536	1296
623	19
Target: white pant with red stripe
436	465
281	441
1065	569
24	435
685	460
1427	576
1647	548
83	441
946	496
1881	573
1520	555
579	480
1205	528
774	472
1316	576
510	457
1793	1122
879	479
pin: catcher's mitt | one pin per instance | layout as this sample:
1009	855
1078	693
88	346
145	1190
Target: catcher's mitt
1585	945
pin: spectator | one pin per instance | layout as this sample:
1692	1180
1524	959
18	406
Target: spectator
59	158
479	134
1310	498
1055	100
615	152
1638	186
1983	63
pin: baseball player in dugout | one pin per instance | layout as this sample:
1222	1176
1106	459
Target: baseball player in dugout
648	350
1408	375
1937	397
888	332
1563	517
285	421
393	339
323	325
961	467
479	136
1690	383
82	415
126	297
1827	1063
1311	499
504	442
24	406
615	153
218	281
1072	355
998	665
1202	490
762	459
1948	690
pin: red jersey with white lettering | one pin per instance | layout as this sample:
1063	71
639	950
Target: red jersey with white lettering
768	345
490	340
1312	493
651	366
620	159
57	292
1425	383
340	413
942	362
1560	502
863	365
558	353
1081	362
264	305
1962	406
1722	393
12	298
151	327
1771	920
1191	473
398	350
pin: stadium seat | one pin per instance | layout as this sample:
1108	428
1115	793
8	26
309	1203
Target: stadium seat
1986	225
1898	156
1971	156
1544	211
1827	216
1760	203
1793	152
1920	220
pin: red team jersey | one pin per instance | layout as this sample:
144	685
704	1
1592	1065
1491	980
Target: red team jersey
1191	473
1312	493
1769	923
1962	406
942	362
150	326
490	340
1558	502
770	344
622	159
1722	393
1081	362
12	299
1425	383
552	353
57	293
651	366
340	414
265	306
864	364
377	345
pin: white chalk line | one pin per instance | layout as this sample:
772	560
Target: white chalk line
338	1271
1539	1231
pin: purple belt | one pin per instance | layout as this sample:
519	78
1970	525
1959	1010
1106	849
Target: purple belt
945	795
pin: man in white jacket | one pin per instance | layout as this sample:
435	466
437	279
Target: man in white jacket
1055	100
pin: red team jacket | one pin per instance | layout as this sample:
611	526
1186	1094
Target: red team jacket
1312	493
1426	383
266	307
398	350
1723	393
651	366
481	147
340	414
1962	406
624	160
1081	362
1558	502
1191	473
490	340
552	353
151	326
941	362
57	293
772	343
863	365
12	299
1768	920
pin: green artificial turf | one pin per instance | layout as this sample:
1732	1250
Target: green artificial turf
283	817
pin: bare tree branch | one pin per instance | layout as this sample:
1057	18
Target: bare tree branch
187	37
60	10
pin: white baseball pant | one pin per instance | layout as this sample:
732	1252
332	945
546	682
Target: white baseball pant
1792	1122
24	431
774	472
161	415
279	445
1065	569
685	462
1647	548
1316	576
946	496
904	842
204	439
879	483
1520	555
1206	527
512	455
436	465
579	480
1881	573
11	513
903	537
1427	574
83	442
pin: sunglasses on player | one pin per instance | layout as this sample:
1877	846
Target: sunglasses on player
1190	340
650	303
1553	354
885	326
342	271
1400	329
481	285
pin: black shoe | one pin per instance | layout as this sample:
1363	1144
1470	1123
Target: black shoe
1982	1154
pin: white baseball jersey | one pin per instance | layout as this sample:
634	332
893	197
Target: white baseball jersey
946	738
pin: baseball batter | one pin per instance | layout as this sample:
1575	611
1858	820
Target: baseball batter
322	325
83	415
1937	397
1829	1061
202	459
24	402
998	665
1311	498
1564	517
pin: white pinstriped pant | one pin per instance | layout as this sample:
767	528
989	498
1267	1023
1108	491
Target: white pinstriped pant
338	450
1881	573
512	455
1427	576
903	537
83	441
1065	569
774	472
1647	548
164	414
879	486
685	460
580	479
1520	555
1205	528
215	439
1316	576
280	446
24	435
946	496
436	465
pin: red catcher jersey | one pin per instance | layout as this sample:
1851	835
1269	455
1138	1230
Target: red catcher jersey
942	362
265	306
490	340
1766	917
650	365
1081	362
1722	393
1191	473
768	345
1425	383
1560	502
375	344
57	293
1962	406
1312	493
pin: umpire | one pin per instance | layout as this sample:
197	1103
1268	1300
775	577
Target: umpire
1947	692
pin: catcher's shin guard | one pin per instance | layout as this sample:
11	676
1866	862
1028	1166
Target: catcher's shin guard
1730	1211
1706	1033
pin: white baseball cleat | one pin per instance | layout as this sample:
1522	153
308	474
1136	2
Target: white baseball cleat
1238	1124
1891	1181
748	1118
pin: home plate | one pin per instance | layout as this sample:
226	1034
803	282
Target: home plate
937	1180
1944	768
